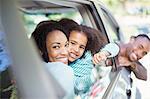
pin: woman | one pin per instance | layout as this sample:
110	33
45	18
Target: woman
52	43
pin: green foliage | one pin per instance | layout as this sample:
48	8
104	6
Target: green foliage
112	4
120	6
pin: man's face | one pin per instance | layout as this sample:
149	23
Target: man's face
138	47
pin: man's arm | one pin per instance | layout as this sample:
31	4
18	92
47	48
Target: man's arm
139	70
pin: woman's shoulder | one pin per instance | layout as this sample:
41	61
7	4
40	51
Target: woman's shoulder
58	67
64	75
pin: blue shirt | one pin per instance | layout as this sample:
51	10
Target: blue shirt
4	55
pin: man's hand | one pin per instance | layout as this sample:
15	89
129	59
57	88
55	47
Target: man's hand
122	61
132	65
126	63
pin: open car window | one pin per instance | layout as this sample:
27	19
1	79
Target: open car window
32	16
34	11
81	13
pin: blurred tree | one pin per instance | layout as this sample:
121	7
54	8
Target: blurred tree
115	4
123	3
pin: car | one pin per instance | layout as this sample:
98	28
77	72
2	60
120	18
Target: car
19	19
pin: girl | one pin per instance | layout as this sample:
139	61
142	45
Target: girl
84	42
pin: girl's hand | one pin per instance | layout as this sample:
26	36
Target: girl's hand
99	57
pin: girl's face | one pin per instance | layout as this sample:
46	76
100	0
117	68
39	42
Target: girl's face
77	44
57	45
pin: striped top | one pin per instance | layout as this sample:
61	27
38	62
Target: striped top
82	70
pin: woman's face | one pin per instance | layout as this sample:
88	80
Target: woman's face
57	45
77	44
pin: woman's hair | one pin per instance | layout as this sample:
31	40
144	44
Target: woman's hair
96	40
40	34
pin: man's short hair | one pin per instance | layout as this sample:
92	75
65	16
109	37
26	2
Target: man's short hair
143	35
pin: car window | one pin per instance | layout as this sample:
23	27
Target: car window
82	14
32	18
110	26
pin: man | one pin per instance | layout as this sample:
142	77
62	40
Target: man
130	53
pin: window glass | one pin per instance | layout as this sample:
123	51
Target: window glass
110	29
32	19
